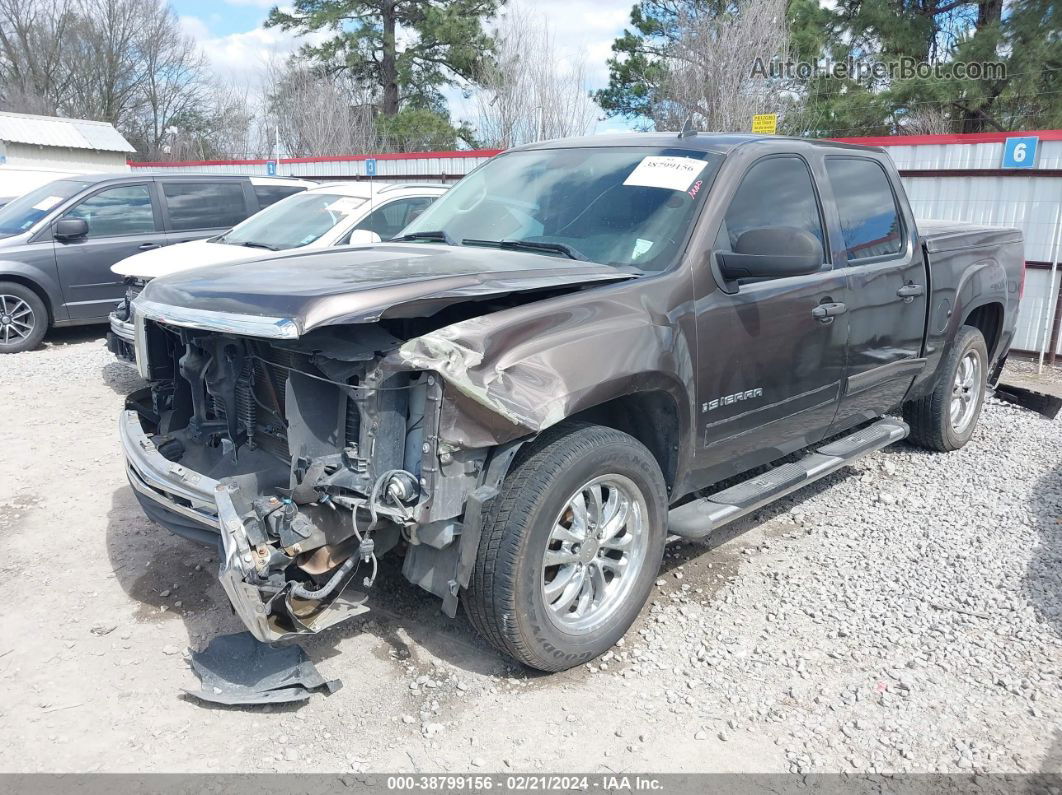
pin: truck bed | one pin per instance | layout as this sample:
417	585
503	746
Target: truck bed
940	235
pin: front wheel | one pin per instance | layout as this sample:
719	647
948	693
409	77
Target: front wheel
945	419
570	547
23	318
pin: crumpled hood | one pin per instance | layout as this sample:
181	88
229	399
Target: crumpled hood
285	296
181	257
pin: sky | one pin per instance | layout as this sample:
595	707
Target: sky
238	46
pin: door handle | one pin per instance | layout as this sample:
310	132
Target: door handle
147	246
909	291
828	311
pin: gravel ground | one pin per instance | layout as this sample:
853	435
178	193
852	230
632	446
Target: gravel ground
904	615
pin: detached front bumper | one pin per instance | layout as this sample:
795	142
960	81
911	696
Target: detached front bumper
200	508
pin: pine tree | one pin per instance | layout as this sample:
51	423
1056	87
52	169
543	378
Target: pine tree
443	42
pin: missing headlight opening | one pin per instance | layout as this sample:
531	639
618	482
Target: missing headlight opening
313	457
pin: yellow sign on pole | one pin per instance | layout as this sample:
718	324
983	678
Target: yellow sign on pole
765	123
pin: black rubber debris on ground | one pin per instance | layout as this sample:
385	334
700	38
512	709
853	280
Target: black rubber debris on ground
239	669
1040	402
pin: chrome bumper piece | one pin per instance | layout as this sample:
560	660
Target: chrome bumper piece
209	503
123	329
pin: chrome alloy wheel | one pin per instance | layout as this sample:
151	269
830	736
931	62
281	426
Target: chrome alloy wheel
595	551
16	319
965	391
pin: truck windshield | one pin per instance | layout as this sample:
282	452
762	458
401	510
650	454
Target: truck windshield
293	222
625	206
22	213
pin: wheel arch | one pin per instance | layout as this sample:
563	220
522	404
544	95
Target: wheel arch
39	290
651	416
988	319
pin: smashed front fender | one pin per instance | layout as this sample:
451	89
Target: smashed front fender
517	372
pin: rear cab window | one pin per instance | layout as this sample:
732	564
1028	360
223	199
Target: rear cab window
870	217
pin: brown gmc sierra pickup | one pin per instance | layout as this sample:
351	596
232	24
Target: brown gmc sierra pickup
583	347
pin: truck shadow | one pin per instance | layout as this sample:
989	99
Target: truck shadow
1043	579
121	378
170	578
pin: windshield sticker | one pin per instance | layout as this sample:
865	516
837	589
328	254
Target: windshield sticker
345	205
45	204
662	171
641	247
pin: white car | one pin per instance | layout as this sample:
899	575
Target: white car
336	214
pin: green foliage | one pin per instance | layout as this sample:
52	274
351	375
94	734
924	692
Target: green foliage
442	42
420	130
1024	35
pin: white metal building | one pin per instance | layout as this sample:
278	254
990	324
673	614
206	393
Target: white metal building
37	149
392	166
964	178
951	177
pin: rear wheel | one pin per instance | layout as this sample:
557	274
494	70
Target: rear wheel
945	419
23	318
570	547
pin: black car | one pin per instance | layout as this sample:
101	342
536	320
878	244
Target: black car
58	242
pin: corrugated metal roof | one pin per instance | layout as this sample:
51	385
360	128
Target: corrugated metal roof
66	133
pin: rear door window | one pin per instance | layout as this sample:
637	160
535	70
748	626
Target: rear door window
204	205
391	218
118	211
776	191
870	218
271	194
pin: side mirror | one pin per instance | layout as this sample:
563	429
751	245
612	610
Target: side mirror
361	237
771	252
71	228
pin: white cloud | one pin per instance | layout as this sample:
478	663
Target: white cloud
242	57
267	4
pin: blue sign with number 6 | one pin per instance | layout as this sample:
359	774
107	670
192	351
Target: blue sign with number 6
1020	152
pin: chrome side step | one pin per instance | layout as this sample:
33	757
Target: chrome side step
699	518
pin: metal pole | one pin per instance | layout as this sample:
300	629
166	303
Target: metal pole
1052	292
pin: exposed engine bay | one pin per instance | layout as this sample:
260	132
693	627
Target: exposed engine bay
322	455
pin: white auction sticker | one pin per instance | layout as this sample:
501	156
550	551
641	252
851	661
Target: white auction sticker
44	205
345	205
663	171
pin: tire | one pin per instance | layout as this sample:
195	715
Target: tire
930	417
23	318
538	503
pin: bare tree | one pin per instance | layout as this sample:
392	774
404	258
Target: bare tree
173	69
926	120
103	61
318	112
32	72
528	90
709	67
122	61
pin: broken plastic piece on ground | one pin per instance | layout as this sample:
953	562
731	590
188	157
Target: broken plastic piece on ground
239	669
1042	403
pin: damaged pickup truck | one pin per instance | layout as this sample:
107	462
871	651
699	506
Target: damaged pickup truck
584	346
